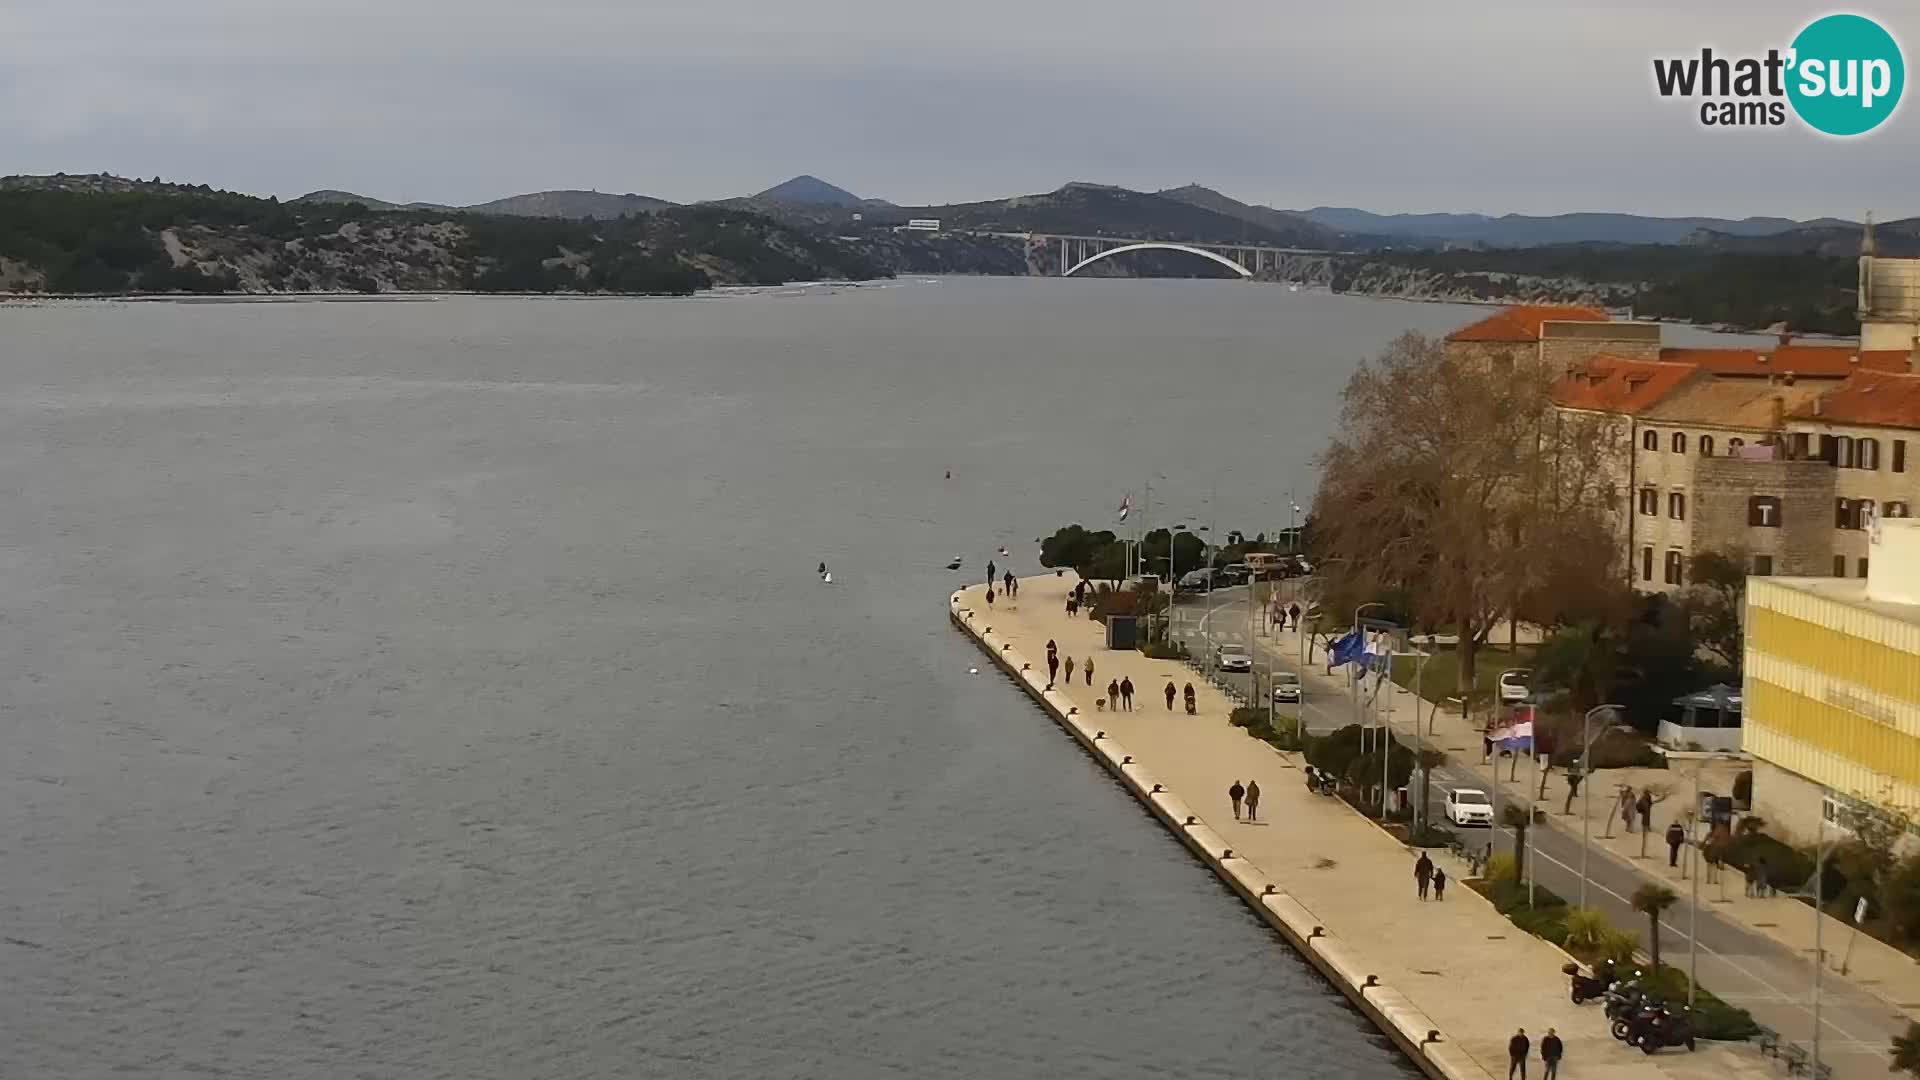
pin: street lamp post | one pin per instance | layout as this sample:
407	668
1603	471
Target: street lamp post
1586	805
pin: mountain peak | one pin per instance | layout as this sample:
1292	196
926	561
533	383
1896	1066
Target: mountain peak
810	189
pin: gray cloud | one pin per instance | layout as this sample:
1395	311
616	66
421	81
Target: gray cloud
1502	106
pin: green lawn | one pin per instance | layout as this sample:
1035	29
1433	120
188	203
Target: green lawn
1441	676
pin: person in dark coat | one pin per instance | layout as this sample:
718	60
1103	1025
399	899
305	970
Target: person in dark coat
990	570
1550	1051
1423	874
1517	1048
1294	610
1113	695
1053	667
1676	839
1645	808
1172	692
1234	795
1253	800
1069	667
1126	693
1089	671
1439	883
989	597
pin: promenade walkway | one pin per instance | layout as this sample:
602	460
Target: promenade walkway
1460	962
1753	953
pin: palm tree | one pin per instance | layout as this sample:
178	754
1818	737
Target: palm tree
1518	818
1906	1051
1654	900
1429	759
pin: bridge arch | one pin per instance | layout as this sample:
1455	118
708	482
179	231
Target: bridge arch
1163	246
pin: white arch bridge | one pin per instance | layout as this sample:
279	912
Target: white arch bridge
1301	265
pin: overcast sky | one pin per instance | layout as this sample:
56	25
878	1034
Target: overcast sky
1531	106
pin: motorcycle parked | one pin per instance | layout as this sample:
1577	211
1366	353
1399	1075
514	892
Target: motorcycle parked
1662	1028
1583	988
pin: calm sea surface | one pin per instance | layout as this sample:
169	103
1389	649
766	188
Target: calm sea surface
443	689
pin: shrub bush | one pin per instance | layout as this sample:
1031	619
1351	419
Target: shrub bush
1500	868
1787	869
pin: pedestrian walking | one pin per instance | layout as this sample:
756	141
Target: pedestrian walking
1439	883
1235	794
1423	874
1073	607
1051	647
1089	671
1126	692
1645	806
1626	806
1573	787
1294	610
1053	667
1069	666
1517	1048
1761	885
1486	748
1676	837
989	598
1172	692
1113	695
1253	800
990	571
1007	580
1550	1051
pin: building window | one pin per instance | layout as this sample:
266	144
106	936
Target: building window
1899	455
1675	560
1706	446
1677	506
1679	442
1650	440
1863	567
1852	513
1868	454
1839	566
1734	445
1763	512
1843	450
1897	510
1800	446
1646	564
1649	502
1762	565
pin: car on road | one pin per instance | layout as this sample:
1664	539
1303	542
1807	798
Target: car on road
1233	658
1286	686
1237	574
1513	685
1192	581
1469	806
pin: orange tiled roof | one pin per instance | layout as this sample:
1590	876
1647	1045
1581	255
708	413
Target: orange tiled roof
1521	322
1619	385
1811	361
1872	398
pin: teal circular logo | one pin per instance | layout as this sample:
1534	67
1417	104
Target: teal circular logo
1846	75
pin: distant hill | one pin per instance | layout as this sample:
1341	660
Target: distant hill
100	184
570	204
811	191
547	204
1523	230
1101	210
1266	216
1823	237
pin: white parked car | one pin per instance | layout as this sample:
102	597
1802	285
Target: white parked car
1469	806
1234	658
1286	686
1513	685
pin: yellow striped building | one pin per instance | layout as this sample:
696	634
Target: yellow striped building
1832	694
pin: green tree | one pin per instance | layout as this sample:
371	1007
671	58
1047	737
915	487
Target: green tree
1074	548
1653	900
1714	603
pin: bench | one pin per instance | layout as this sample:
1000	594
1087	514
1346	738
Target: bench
1768	1039
1796	1057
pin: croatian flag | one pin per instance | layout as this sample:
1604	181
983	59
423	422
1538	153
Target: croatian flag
1516	733
1126	506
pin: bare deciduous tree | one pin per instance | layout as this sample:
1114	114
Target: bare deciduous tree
1461	491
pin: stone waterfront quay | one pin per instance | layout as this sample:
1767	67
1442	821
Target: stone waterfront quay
1448	981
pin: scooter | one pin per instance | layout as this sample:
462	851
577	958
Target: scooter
1649	1010
1584	988
1663	1028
